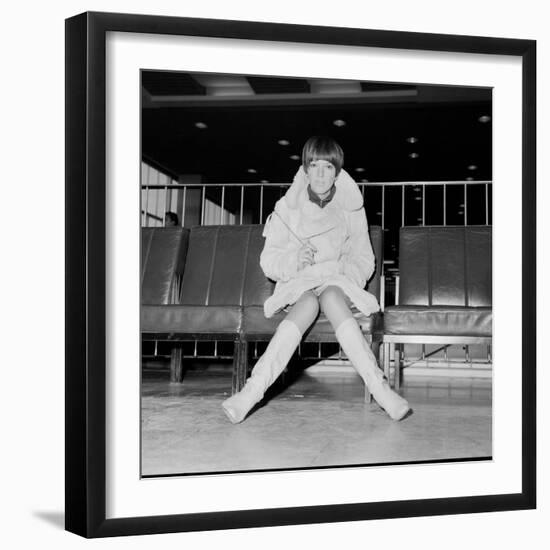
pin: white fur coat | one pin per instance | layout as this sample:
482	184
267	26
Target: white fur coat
339	232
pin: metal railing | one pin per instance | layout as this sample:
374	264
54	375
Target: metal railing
241	208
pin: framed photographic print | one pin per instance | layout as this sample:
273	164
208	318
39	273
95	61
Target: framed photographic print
285	299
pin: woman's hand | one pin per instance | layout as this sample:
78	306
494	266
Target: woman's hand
306	255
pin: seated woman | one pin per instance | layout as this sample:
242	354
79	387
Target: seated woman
318	251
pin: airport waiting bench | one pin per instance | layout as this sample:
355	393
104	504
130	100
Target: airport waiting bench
445	291
221	293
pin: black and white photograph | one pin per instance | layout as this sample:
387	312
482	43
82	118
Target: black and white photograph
316	273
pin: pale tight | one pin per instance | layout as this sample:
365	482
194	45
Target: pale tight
332	302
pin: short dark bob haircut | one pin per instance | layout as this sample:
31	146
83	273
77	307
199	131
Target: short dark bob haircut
322	148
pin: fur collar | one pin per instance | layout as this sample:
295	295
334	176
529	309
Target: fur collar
347	195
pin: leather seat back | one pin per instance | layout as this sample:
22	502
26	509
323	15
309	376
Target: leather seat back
163	255
445	266
217	264
223	266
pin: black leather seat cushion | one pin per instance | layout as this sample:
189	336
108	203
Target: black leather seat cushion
191	319
438	320
255	324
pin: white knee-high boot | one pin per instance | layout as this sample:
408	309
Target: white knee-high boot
269	366
359	353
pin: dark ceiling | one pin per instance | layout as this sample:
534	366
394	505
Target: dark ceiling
245	117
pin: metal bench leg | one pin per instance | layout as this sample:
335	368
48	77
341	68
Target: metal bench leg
386	359
240	365
398	365
176	364
378	352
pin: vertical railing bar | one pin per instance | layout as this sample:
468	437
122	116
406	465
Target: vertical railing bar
319	350
397	290
402	205
444	204
242	204
157	196
382	289
215	348
261	203
465	205
155	207
165	207
195	349
146	206
423	352
203	204
486	203
222	213
255	349
183	208
156	352
383	207
424	204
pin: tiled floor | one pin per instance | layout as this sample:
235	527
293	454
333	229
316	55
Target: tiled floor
316	420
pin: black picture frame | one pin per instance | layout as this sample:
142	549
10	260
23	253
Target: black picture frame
86	268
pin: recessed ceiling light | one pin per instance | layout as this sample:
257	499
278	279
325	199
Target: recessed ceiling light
364	181
412	139
283	142
417	198
472	167
294	157
264	181
460	212
413	155
461	205
201	125
469	178
252	171
359	169
339	123
484	118
378	213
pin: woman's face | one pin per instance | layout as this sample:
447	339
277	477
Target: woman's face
321	175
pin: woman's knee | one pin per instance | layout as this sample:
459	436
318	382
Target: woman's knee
307	304
332	296
309	301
